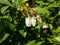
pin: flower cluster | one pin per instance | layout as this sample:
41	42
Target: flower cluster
32	21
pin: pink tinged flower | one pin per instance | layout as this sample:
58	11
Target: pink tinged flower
33	21
32	12
45	26
39	18
28	22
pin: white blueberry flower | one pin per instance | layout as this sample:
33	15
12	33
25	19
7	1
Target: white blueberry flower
39	18
28	22
45	26
33	21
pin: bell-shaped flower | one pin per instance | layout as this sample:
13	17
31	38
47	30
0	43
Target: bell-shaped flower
39	18
33	21
28	21
45	26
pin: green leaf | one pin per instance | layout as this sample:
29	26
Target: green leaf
7	17
3	9
4	17
51	0
58	38
50	25
19	2
22	33
55	39
31	42
38	43
59	12
6	2
4	37
41	10
22	1
53	5
58	29
12	26
19	43
39	25
50	40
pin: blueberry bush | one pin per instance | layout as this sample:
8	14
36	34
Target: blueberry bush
29	22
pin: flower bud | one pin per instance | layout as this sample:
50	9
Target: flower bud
33	21
20	8
28	22
39	18
32	12
45	26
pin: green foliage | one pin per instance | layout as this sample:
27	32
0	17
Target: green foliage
22	33
13	30
3	9
5	2
4	37
58	29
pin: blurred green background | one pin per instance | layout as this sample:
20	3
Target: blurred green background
13	30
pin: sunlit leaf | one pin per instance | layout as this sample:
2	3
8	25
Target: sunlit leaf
59	12
41	10
3	9
19	2
51	0
58	29
38	43
50	25
6	2
53	5
58	38
4	37
31	42
22	33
